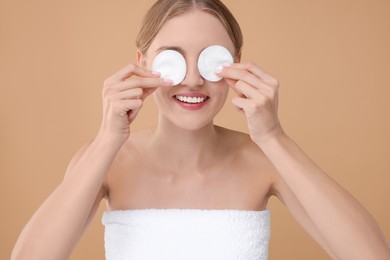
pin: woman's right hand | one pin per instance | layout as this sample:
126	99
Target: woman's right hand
123	95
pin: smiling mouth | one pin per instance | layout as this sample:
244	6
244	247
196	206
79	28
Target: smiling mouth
191	100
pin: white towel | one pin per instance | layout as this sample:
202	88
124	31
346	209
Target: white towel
186	234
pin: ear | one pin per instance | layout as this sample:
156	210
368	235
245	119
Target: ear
139	58
239	57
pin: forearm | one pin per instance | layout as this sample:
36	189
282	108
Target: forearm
59	222
343	222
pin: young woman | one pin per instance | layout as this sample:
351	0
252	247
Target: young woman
188	189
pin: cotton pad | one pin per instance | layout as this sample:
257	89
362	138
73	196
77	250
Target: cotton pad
211	59
171	65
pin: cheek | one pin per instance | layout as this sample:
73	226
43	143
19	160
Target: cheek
161	95
222	90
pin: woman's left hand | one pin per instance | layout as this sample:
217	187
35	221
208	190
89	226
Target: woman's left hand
257	97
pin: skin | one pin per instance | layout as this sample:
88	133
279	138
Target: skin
132	170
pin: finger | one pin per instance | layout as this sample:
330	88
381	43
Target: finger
134	83
125	106
147	92
240	103
231	83
135	93
140	82
242	74
245	90
235	73
256	70
130	70
133	113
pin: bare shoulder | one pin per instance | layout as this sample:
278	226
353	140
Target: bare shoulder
131	149
252	159
251	164
241	144
248	155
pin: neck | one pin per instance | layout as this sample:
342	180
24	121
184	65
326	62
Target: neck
180	147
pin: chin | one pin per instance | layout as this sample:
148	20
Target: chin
190	124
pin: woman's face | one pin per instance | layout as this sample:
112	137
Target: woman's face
189	34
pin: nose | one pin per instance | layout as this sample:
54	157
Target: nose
193	77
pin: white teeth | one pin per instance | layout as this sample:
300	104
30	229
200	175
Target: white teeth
191	100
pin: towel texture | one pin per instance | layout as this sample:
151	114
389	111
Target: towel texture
186	234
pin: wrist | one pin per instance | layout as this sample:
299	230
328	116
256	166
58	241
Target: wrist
109	141
275	135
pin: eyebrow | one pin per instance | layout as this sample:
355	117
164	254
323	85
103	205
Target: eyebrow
174	48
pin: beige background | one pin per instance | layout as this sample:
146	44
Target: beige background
331	57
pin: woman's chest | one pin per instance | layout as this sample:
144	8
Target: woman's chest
150	186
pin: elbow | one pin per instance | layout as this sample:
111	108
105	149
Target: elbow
19	253
386	253
22	252
35	251
372	253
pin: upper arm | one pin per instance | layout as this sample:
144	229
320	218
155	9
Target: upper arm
95	207
283	192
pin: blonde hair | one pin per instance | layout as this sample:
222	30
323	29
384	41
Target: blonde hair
163	10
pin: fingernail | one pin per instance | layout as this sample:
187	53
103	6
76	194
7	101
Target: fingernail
168	81
219	69
156	73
